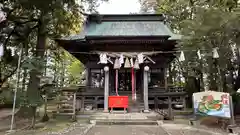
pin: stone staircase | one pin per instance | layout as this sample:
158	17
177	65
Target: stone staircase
151	118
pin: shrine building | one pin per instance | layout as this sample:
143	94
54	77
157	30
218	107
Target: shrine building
126	59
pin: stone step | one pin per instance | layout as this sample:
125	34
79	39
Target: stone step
118	112
126	122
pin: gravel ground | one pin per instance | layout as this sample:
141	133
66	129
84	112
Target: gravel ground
180	129
74	129
91	129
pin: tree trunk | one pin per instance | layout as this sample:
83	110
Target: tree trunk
34	108
45	116
33	92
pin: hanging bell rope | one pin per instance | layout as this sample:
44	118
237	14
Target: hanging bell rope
116	82
133	84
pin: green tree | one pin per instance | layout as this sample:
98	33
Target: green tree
32	24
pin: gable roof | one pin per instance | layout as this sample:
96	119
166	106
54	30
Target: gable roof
128	25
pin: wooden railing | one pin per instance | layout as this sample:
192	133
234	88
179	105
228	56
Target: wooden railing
156	96
170	91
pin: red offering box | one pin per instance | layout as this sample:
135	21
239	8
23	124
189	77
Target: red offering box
118	102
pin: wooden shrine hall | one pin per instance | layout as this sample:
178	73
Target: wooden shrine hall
125	62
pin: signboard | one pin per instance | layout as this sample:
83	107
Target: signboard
212	103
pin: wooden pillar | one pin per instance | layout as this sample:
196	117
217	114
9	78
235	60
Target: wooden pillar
170	108
165	79
106	88
155	102
183	99
74	106
96	102
82	103
88	77
145	88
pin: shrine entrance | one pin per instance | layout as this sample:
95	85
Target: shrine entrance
125	80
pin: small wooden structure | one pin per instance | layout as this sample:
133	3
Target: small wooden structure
130	35
67	102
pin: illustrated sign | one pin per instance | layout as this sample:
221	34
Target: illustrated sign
212	103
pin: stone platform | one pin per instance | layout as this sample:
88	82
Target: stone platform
120	115
118	118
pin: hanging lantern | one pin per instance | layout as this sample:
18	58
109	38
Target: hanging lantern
117	64
127	63
1	50
121	59
140	58
215	53
182	57
136	64
199	54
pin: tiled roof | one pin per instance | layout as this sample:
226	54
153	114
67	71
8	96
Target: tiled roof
110	26
132	28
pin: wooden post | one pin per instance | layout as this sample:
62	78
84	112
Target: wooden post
170	108
145	88
106	88
82	103
155	102
232	120
88	77
165	79
74	105
184	103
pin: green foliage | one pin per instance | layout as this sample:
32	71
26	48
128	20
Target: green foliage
6	97
34	63
206	25
74	69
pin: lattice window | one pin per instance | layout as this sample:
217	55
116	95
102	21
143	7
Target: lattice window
97	78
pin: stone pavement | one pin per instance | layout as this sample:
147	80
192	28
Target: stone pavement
92	129
126	130
164	129
181	129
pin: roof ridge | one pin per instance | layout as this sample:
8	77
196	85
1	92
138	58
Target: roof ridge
125	17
